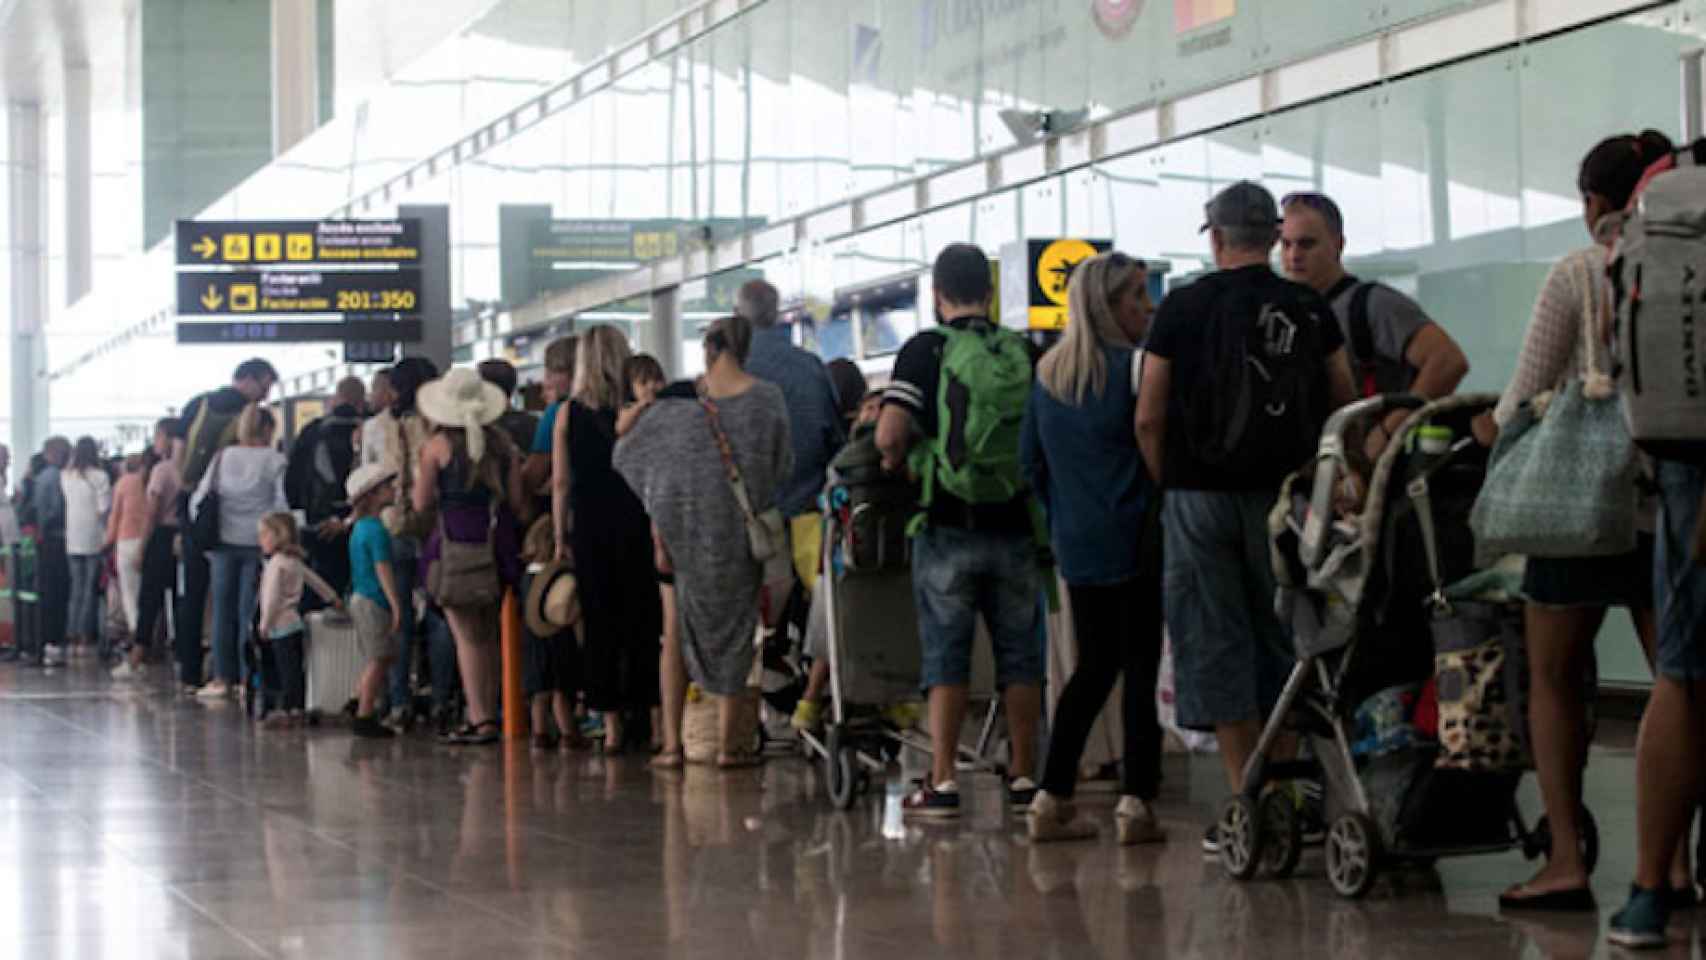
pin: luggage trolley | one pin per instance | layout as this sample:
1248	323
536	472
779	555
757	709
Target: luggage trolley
872	645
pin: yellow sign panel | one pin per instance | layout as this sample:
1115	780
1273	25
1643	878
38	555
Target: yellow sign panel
1055	265
268	246
1048	318
236	247
299	246
243	296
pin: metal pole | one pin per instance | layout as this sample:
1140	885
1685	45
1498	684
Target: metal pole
1691	94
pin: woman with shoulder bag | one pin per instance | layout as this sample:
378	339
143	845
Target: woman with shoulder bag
1568	596
468	476
707	470
242	484
1079	449
597	516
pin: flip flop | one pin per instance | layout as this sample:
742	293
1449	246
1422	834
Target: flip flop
1574	900
671	760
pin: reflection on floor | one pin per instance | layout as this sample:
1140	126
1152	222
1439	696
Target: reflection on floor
134	824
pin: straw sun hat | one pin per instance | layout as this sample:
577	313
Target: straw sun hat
461	399
553	600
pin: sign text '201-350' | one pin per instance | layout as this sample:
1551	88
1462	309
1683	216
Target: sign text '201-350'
288	292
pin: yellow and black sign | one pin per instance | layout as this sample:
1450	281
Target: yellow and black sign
1049	264
298	292
298	242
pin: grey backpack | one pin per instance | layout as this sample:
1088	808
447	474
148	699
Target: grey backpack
1659	275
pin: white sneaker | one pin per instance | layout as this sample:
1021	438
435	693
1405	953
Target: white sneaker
128	671
1049	819
1134	822
52	655
214	690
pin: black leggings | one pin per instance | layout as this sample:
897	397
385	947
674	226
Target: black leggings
159	583
1118	628
282	676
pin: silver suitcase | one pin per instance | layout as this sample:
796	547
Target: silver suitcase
334	662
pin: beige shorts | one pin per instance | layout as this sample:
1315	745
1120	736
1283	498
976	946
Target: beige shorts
372	628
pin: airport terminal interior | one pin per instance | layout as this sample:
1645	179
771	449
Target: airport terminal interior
354	188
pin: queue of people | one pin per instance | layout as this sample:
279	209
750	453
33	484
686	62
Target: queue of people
655	530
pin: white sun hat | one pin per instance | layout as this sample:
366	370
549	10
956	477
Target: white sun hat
462	399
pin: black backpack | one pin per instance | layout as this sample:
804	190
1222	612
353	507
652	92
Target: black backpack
320	466
1260	398
1374	373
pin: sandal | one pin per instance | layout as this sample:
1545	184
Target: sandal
457	735
669	760
739	760
484	733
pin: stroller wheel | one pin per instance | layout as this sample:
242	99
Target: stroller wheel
1541	840
1353	855
1282	834
1240	833
840	773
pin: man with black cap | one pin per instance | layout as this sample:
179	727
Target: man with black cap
1239	374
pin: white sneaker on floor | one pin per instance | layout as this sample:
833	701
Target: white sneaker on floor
52	655
1134	822
214	690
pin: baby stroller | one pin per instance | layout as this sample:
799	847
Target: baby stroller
1364	588
870	633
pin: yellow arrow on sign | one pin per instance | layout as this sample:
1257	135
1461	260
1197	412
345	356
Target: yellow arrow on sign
211	299
206	247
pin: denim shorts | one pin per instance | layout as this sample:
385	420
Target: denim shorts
1231	655
1679	589
959	574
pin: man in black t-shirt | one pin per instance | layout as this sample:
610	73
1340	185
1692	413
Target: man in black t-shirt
970	559
1230	651
321	459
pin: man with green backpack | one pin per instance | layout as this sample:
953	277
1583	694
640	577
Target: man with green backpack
952	415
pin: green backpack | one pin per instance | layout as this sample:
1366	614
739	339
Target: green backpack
980	407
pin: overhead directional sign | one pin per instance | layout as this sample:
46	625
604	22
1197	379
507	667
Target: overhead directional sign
296	292
300	331
215	243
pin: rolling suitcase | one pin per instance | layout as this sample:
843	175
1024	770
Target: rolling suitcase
334	663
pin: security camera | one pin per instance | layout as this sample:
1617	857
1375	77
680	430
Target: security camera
1027	126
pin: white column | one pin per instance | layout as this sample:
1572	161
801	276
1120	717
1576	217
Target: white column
295	72
79	186
26	230
662	336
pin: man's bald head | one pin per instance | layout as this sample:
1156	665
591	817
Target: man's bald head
350	392
759	303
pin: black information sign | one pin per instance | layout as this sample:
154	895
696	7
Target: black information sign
370	351
370	332
290	292
215	243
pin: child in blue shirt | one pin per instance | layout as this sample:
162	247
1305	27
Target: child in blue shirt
374	605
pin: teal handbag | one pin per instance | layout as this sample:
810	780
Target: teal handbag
1562	481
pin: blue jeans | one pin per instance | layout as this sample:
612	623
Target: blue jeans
404	567
1679	582
957	575
441	656
83	615
1231	654
236	577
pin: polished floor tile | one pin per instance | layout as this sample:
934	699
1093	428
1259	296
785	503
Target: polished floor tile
136	824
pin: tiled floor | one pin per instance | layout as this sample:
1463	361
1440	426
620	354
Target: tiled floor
135	825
